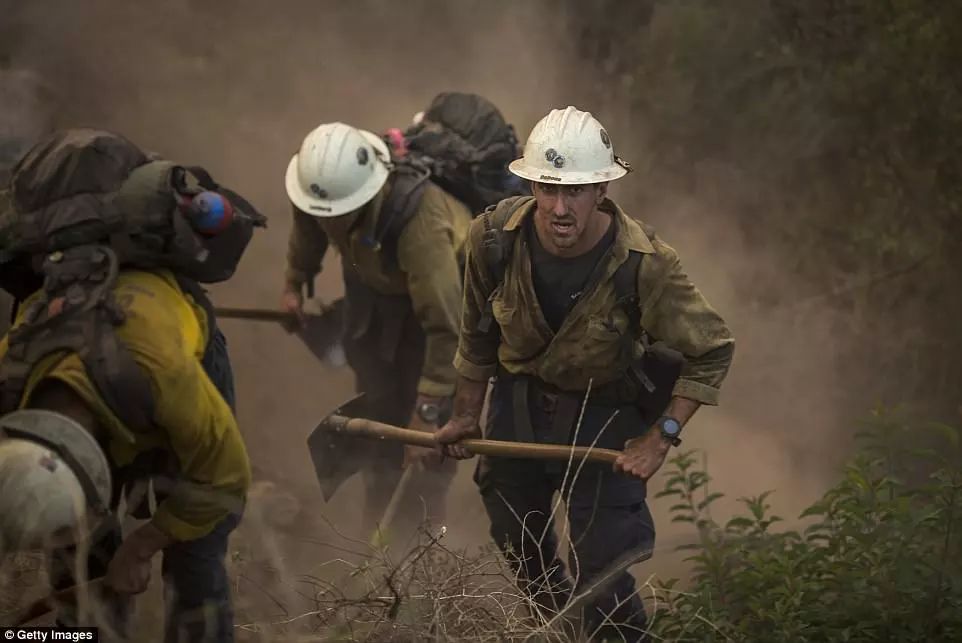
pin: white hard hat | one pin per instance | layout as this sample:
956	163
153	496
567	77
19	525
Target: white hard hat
338	169
569	146
55	481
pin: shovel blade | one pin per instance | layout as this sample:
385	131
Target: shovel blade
337	456
321	334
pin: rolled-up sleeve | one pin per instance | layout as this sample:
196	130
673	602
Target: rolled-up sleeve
306	247
677	313
477	355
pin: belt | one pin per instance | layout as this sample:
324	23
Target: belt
560	408
619	393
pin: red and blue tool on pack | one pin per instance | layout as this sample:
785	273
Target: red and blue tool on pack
208	212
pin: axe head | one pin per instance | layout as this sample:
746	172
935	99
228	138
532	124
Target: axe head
337	456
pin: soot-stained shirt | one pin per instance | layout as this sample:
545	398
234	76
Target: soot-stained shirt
560	281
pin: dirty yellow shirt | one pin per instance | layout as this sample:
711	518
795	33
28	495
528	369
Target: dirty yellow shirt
588	346
427	269
166	333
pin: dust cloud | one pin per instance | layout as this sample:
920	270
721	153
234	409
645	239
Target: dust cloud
235	86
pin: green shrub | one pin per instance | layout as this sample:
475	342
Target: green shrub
879	559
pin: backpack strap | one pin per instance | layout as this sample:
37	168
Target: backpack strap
77	312
497	246
199	295
653	376
625	283
399	207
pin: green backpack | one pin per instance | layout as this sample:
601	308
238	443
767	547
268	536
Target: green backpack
82	205
83	186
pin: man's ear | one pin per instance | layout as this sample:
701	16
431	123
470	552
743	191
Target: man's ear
602	192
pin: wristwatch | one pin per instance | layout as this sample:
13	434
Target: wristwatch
670	429
429	412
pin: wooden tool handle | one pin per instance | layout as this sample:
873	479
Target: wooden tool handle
263	314
496	448
256	314
48	603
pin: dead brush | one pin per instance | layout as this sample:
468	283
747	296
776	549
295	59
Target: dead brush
350	589
429	592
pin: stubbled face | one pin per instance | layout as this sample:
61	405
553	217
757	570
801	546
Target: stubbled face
339	226
565	213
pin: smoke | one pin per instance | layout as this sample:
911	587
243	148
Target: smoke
786	419
235	87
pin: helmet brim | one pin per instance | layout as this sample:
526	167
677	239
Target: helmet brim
66	435
542	175
325	208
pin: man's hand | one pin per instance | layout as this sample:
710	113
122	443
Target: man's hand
129	570
457	429
468	402
644	455
292	301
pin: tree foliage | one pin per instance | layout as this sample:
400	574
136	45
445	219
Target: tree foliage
832	130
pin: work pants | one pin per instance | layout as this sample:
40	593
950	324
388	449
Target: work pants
609	524
384	345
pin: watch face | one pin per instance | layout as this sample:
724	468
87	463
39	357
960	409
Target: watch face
429	412
670	426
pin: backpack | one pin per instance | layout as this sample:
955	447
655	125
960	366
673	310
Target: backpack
84	186
83	205
466	145
652	374
463	145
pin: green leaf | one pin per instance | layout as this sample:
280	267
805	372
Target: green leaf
739	522
668	493
709	499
